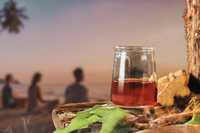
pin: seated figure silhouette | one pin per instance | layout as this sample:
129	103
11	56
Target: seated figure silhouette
76	92
34	93
7	93
35	96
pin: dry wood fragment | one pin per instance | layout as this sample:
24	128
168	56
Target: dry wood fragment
171	119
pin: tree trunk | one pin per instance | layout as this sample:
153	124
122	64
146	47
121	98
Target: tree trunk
192	29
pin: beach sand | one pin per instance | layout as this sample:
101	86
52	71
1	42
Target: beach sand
17	121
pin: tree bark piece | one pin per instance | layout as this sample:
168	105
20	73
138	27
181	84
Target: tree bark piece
192	29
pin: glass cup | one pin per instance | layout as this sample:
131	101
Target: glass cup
134	76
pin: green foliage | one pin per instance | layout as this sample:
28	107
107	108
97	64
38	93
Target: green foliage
194	106
109	117
195	119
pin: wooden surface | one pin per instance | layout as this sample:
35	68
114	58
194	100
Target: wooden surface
174	129
163	118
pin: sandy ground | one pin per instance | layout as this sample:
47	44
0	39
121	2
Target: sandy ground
17	121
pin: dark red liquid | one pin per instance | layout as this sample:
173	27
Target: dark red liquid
133	93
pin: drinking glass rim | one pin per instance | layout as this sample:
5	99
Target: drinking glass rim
136	47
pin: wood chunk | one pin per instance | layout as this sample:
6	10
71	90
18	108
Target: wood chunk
175	84
171	119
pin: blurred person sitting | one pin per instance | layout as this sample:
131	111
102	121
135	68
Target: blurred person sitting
76	92
7	93
35	95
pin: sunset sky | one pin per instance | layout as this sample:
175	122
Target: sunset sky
63	34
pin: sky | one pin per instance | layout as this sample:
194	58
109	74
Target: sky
63	34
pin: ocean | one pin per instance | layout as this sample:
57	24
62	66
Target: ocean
96	91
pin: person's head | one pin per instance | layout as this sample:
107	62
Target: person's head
8	78
36	78
78	74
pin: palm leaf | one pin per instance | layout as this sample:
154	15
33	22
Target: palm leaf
12	16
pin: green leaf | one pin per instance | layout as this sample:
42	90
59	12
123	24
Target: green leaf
108	115
195	119
111	120
79	123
